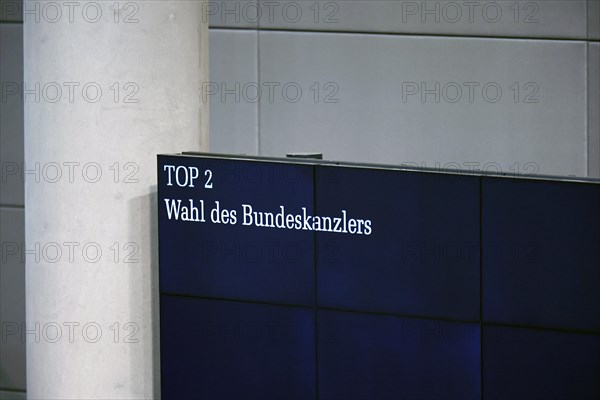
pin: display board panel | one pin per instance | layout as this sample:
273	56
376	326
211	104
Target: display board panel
215	349
542	258
422	256
536	364
388	357
219	249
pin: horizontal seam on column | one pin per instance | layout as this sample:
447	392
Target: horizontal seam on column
12	206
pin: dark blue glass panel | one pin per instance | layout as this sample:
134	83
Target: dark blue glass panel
422	257
212	349
541	253
380	357
235	260
535	364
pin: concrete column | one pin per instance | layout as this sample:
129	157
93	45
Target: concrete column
108	85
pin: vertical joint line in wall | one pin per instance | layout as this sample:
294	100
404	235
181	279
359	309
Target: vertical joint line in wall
481	326
586	122
315	308
259	104
587	20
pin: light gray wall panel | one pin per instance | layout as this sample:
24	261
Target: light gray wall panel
12	299
522	18
232	13
232	92
376	119
11	113
594	110
594	19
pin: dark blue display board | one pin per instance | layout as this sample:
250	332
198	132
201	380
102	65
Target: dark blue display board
304	279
